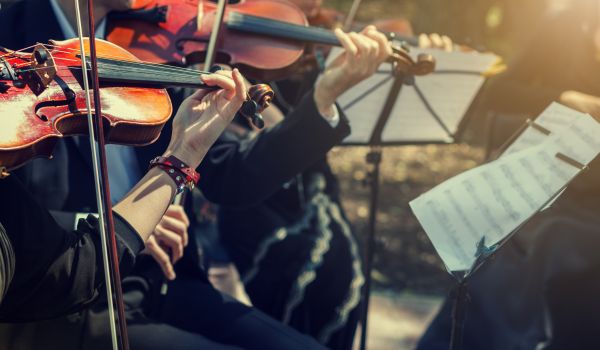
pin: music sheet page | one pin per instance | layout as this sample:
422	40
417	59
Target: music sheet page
554	119
495	199
429	111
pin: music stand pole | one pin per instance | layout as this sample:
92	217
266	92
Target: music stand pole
374	158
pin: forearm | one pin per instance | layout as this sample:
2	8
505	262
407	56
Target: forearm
145	204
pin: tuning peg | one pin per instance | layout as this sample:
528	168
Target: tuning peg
249	110
41	56
258	120
249	107
19	84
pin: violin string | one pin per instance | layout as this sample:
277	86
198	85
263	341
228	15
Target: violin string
276	27
76	52
143	75
59	49
16	51
118	69
294	31
187	75
169	73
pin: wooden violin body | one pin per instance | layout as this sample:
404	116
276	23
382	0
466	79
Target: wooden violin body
34	119
263	38
182	35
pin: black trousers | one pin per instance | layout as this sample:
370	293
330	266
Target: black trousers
193	315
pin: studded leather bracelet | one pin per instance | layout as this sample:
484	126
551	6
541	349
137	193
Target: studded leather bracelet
181	173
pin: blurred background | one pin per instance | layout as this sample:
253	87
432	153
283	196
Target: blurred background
410	279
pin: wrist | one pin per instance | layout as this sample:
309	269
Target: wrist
187	156
180	172
325	104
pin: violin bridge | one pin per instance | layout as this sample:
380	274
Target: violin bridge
41	72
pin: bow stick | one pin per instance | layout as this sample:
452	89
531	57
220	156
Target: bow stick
105	219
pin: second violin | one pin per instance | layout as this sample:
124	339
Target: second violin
263	38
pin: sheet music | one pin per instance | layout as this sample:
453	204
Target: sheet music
448	92
555	118
495	199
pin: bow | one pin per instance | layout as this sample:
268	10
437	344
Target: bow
106	221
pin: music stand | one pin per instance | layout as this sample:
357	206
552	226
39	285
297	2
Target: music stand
425	122
484	254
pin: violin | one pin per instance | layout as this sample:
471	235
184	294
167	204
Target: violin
330	18
262	38
42	98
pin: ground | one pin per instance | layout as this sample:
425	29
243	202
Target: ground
397	320
410	279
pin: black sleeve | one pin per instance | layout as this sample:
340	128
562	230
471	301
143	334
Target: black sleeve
241	173
56	271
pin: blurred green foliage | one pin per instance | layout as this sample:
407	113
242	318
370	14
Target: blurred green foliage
496	25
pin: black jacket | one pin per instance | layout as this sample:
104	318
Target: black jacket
56	271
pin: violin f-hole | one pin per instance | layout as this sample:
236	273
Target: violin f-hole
68	101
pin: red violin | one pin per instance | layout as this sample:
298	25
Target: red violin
263	38
42	98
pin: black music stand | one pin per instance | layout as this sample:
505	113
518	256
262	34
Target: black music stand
483	255
431	128
374	158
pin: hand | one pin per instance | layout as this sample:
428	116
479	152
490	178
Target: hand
362	56
169	236
202	117
436	41
582	102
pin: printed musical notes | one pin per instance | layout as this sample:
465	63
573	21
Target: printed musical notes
492	201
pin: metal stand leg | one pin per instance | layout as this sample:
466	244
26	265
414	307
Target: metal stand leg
459	311
373	158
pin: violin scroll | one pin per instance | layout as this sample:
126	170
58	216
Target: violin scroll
425	64
262	94
405	64
259	98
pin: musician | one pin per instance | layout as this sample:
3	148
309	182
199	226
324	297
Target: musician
289	237
49	272
192	308
541	289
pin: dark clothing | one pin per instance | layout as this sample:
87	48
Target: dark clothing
175	322
242	173
56	271
282	223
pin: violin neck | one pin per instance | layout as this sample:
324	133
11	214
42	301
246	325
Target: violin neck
144	74
278	29
284	30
